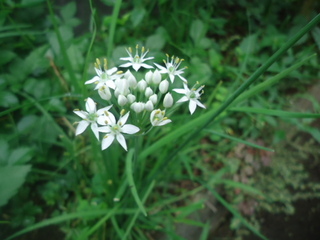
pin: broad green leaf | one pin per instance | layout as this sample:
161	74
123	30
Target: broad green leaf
197	31
8	99
137	16
20	155
68	11
11	179
6	56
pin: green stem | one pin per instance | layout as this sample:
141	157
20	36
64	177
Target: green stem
113	24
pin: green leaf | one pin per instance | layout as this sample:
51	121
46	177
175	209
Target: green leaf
271	81
277	113
137	16
20	155
6	56
7	99
235	213
11	178
68	11
197	31
239	140
132	185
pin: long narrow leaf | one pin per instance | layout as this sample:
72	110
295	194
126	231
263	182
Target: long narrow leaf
240	140
271	81
132	185
277	113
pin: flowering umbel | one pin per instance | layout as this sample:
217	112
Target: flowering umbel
141	103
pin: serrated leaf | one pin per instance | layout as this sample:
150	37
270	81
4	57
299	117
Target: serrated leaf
11	178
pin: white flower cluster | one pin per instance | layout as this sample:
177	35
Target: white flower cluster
145	100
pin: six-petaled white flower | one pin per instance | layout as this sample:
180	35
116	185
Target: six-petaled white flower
136	61
115	129
172	68
192	95
105	77
90	117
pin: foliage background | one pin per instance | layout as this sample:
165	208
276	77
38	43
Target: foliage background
47	53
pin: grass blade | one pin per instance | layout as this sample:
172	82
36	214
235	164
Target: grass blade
132	185
240	140
278	113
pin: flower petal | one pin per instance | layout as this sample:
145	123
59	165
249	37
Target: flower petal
123	119
90	105
200	104
92	80
81	113
81	127
126	64
105	129
164	122
122	141
130	129
179	90
192	106
106	141
94	128
183	99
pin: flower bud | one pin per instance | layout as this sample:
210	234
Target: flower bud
148	77
149	106
148	92
168	100
122	100
105	93
163	86
131	98
156	78
137	107
154	99
142	84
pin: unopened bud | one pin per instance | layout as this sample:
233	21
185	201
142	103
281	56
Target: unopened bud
163	86
149	106
148	92
168	100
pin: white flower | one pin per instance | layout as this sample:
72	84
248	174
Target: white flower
115	129
105	93
137	61
191	95
157	118
172	68
90	117
105	77
168	100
